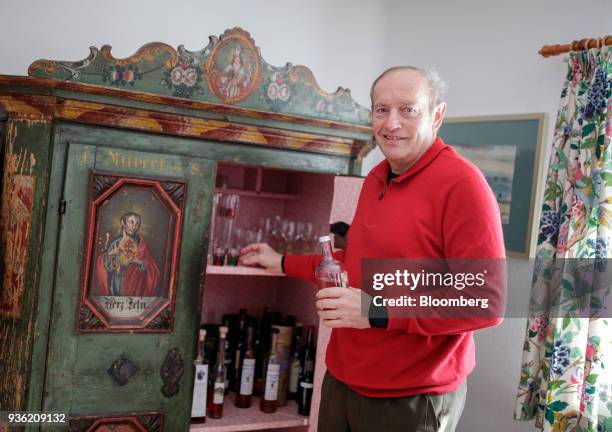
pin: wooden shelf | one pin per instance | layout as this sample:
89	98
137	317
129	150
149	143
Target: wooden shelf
240	271
240	419
253	193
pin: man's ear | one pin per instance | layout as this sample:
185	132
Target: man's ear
439	116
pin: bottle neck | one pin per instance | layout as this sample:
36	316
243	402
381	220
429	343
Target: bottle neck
326	250
273	342
249	341
221	351
200	357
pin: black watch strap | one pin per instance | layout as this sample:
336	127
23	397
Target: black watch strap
378	316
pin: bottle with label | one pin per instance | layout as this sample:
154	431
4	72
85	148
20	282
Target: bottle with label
307	378
269	398
217	381
200	382
247	372
295	366
330	272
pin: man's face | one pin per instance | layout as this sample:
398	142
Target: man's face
403	124
131	225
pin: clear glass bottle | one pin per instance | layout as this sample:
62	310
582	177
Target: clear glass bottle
217	382
200	382
247	372
269	398
330	272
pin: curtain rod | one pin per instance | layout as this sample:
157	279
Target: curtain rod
577	45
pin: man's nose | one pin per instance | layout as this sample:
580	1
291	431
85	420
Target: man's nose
393	122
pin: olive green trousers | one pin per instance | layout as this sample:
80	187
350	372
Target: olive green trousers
343	410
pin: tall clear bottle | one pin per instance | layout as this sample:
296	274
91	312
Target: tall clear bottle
247	372
200	382
307	379
330	272
217	382
269	398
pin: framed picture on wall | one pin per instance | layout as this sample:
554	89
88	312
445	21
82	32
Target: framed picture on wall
509	151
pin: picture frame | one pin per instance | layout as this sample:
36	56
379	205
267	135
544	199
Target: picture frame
509	150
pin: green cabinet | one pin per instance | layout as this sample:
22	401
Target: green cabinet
106	198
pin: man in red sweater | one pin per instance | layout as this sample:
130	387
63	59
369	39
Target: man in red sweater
388	372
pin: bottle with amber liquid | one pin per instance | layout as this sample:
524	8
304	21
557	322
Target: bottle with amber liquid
330	272
247	372
307	378
200	382
269	398
217	383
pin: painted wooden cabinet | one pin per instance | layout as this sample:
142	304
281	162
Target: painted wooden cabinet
110	167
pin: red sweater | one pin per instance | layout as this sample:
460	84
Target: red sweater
441	207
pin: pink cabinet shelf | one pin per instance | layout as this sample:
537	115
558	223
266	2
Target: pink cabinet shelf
240	419
258	194
239	271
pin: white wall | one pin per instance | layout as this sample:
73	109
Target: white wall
339	40
487	51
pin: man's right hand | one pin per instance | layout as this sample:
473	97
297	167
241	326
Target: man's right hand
263	255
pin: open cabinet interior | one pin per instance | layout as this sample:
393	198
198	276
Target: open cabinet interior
288	210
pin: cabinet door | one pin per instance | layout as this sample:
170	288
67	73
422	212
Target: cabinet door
131	252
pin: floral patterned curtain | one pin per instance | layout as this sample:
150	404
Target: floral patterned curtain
566	373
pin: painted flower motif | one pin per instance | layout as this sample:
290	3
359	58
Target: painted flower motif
284	93
560	357
273	91
320	105
177	75
190	77
278	90
128	75
115	75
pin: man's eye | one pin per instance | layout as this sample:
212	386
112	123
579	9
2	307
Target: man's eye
380	110
410	110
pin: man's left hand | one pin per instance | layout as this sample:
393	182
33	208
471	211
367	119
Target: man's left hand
341	307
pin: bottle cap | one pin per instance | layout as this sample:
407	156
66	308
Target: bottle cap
223	331
202	334
324	238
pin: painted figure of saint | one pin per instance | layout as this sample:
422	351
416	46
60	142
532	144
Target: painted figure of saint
236	77
126	268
